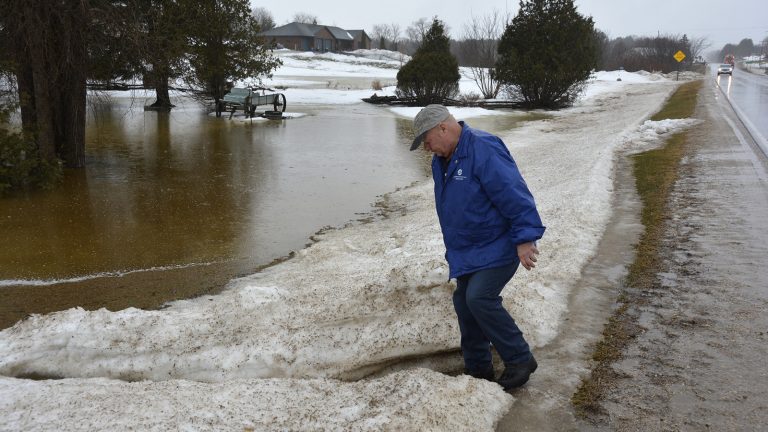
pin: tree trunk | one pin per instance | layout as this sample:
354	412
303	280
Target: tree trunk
35	27
51	66
70	110
160	78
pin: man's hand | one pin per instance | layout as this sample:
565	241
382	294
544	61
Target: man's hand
527	253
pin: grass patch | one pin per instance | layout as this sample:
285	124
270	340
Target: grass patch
655	174
682	104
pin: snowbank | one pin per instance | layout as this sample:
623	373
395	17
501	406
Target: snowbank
416	400
363	63
457	112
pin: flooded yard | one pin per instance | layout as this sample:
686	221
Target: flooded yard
173	205
164	195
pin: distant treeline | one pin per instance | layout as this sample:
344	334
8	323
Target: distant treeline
483	33
745	48
657	53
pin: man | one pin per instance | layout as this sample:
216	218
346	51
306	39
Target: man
490	226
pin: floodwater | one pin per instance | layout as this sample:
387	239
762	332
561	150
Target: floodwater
174	205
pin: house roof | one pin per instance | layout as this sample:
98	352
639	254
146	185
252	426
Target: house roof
356	33
339	33
291	29
306	30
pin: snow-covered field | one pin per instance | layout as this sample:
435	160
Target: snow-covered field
277	350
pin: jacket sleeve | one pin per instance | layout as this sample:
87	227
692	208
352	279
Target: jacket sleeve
505	187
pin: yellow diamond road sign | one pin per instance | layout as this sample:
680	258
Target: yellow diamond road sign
679	56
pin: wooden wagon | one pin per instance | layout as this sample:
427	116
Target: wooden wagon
246	99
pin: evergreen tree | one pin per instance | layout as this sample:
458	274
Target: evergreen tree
433	73
45	47
50	48
225	46
263	18
547	53
163	33
745	48
114	45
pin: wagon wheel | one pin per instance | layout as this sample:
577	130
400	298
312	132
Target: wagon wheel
247	106
276	103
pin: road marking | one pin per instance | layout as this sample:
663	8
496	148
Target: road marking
751	129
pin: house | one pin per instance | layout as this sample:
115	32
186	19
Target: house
362	41
313	37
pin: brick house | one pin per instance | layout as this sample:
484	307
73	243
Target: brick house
313	37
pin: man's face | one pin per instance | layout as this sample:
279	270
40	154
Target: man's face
438	141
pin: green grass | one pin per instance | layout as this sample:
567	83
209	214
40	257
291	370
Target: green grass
655	174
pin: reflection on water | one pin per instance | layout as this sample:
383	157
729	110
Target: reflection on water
726	86
175	204
172	189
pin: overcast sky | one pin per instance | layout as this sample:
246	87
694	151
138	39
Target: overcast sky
722	22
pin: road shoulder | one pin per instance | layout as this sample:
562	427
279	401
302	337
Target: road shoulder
697	362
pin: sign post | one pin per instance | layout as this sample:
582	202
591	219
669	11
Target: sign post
679	56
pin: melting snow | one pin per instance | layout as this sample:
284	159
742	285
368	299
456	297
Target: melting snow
270	351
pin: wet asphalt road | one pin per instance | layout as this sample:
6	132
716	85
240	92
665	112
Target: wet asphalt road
748	94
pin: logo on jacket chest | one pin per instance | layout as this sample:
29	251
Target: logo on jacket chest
459	175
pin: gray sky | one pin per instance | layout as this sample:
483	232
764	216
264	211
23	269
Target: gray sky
721	22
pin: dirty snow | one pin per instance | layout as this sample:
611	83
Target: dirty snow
268	352
416	400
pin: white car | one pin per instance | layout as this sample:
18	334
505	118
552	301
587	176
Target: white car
725	69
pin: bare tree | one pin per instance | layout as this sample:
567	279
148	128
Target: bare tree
650	53
414	35
304	18
479	50
264	18
654	53
394	30
416	31
381	34
697	46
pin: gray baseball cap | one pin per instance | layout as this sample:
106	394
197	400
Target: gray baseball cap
429	117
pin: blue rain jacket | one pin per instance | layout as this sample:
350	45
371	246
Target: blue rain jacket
484	206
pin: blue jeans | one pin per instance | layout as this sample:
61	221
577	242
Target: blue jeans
484	321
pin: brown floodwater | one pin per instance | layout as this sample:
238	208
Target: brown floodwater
174	205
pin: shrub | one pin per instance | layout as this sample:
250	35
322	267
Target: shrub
432	74
21	165
470	97
547	53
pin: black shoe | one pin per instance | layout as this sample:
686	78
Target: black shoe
486	373
517	374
